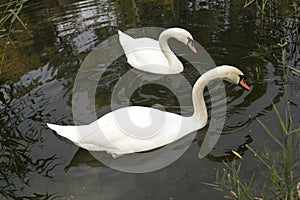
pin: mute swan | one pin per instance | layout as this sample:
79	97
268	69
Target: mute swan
154	56
125	130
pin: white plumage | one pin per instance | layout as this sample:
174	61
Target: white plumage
137	128
155	56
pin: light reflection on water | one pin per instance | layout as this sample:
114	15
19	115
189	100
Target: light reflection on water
37	163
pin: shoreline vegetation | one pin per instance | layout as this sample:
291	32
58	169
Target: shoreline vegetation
10	24
277	176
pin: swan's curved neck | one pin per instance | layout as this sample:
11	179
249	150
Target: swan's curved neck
200	111
174	62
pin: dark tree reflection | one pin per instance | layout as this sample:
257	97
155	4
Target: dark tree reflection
19	134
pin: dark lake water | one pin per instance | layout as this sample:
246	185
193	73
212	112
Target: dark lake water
39	71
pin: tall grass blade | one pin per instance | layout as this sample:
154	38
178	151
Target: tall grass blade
281	122
294	131
260	158
5	18
16	16
271	134
248	3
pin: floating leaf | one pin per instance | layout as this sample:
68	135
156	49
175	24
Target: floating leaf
237	154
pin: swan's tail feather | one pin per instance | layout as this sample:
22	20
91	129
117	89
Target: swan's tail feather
69	132
124	38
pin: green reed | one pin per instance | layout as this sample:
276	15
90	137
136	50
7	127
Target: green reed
261	5
283	182
9	17
231	181
278	172
278	169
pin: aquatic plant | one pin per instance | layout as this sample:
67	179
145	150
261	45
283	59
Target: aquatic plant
9	16
263	6
278	169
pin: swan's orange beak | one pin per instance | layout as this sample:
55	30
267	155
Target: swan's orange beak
191	45
243	84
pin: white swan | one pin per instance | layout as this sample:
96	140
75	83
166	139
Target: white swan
127	130
154	56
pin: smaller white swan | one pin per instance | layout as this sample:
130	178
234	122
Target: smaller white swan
154	56
127	130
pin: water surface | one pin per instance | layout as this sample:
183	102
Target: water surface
39	73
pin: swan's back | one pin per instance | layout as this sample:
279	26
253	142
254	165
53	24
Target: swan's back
144	54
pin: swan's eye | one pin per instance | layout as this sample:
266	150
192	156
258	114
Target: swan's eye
242	77
190	41
191	45
243	83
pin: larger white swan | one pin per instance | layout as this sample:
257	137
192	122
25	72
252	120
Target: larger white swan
137	128
154	56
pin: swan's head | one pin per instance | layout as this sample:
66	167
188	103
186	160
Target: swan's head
233	75
183	36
